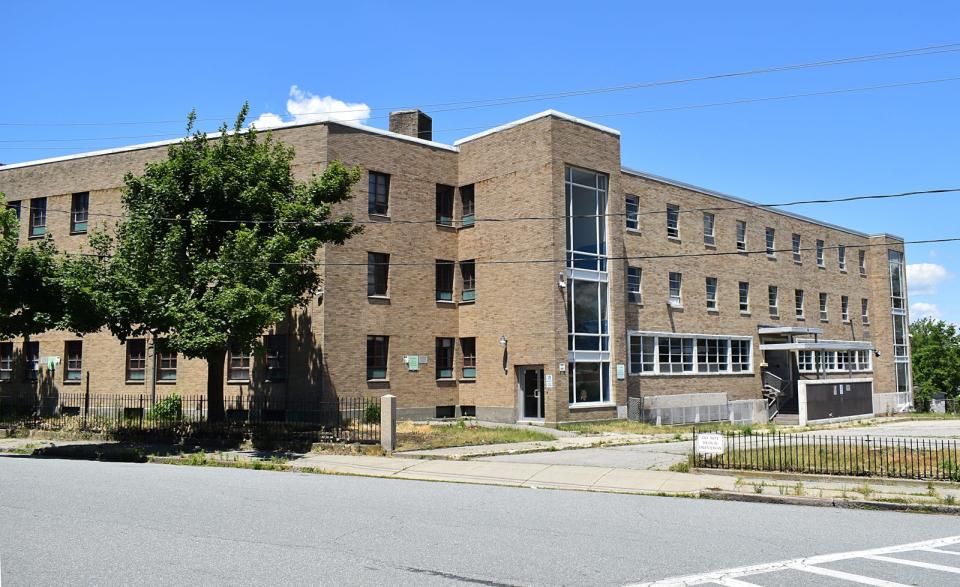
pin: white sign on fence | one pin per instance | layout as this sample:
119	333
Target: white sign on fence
709	443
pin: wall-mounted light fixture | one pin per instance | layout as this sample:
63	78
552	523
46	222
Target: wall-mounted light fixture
503	341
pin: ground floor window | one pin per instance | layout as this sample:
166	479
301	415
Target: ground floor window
31	356
275	346
136	359
903	377
239	364
653	353
377	347
589	382
6	361
166	366
468	347
74	366
444	358
834	361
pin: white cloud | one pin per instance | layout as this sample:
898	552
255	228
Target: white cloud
923	278
920	310
307	107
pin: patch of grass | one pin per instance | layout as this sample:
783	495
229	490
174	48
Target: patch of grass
635	427
758	487
681	467
420	436
949	500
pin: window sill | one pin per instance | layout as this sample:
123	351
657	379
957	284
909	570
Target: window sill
591	405
447	302
844	271
713	310
463	226
35	237
774	316
745	313
468	380
237	381
675	239
795	262
824	321
712	247
77	232
863	275
801	319
467	302
634	231
771	257
378	381
821	266
72	381
446	227
846	322
446	380
742	251
379	216
166	381
134	382
378	298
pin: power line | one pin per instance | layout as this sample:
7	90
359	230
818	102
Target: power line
479	220
490	102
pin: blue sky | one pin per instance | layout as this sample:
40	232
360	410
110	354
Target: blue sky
122	62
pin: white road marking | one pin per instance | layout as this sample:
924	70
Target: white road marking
736	583
737	572
941	551
863	580
918	564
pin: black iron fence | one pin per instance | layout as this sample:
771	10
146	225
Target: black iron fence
354	419
862	456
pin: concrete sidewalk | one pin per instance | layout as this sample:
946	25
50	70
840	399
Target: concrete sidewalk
514	448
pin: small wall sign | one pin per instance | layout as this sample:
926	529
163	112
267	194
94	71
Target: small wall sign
709	443
621	371
548	381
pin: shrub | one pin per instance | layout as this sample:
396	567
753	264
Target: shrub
371	414
169	408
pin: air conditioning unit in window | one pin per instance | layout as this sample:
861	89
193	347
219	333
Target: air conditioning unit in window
674	303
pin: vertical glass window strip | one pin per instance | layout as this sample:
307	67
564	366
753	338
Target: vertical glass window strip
823	307
676	286
673	221
136	359
899	337
634	292
820	262
744	288
589	382
74	364
378	273
468	275
842	257
897	281
741	235
586	199
632	206
79	210
378	190
468	347
845	308
798	300
709	228
587	316
445	205
771	242
865	311
377	349
862	262
467	205
276	358
711	293
796	249
772	297
38	217
444	273
445	358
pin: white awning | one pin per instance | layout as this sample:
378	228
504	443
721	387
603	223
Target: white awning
827	345
789	330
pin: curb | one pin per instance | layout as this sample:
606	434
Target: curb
749	474
836	503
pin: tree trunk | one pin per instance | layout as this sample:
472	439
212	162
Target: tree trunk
215	365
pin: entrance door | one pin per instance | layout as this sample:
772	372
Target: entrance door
531	393
780	363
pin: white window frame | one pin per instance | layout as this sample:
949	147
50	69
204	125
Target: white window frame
798	302
842	258
709	229
824	300
810	361
635	286
675	300
775	299
845	309
796	240
862	262
865	311
632	217
770	235
741	235
695	365
673	221
820	257
744	301
711	296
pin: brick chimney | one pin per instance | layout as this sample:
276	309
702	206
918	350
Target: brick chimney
413	123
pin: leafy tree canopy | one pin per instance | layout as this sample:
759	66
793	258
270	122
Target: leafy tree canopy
935	352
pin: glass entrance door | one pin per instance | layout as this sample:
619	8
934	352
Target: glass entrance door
531	393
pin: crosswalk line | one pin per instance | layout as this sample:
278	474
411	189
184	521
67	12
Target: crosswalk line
918	564
833	574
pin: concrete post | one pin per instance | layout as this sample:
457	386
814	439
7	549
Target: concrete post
388	422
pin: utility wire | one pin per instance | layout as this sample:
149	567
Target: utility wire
488	102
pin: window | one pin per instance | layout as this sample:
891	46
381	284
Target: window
445	205
643	354
820	253
842	258
466	206
741	235
377	348
275	346
73	370
378	193
796	249
632	205
239	364
634	292
865	311
6	361
798	300
711	293
587	316
589	382
673	221
586	200
15	206
666	353
468	347
79	209
166	365
468	274
834	361
444	358
899	337
38	217
378	273
862	262
823	307
772	295
744	297
713	355
895	261
771	242
709	227
136	359
676	284
31	356
845	308
444	281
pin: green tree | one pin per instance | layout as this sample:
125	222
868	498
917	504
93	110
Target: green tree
935	352
219	242
30	293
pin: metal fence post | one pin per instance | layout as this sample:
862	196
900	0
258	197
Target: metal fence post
388	422
86	401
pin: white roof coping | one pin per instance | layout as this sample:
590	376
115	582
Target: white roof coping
532	117
789	330
214	135
723	196
824	345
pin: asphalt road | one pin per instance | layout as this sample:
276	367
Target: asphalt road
86	523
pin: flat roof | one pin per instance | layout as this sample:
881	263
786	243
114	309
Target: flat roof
789	330
532	117
826	345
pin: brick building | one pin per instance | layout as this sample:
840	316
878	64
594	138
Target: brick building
472	292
